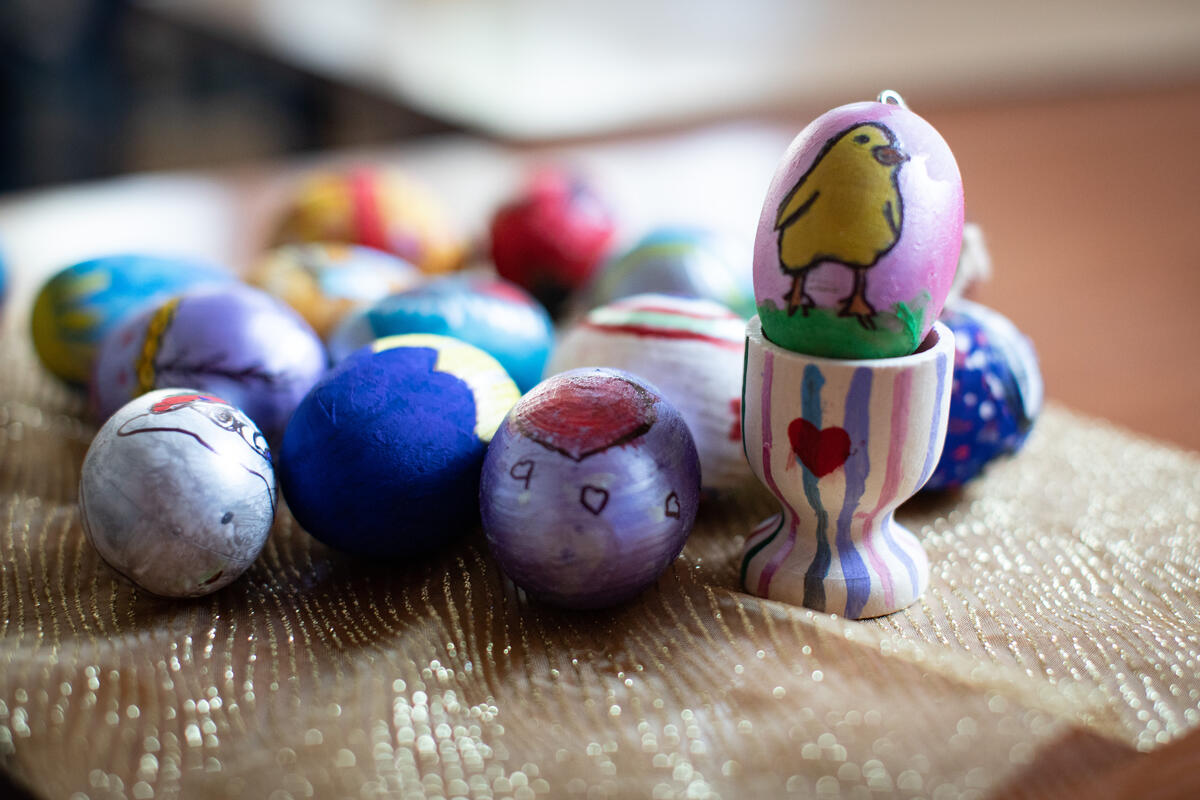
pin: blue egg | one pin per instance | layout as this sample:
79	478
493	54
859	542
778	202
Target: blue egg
685	262
82	303
995	397
382	458
493	314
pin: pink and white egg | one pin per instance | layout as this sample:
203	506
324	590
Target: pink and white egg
691	350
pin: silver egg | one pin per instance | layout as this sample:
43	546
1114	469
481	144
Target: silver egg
178	493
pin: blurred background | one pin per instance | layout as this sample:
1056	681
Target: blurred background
101	87
1074	124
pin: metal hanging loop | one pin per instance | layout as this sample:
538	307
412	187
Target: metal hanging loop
891	97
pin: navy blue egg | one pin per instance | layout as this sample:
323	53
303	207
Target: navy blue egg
995	397
381	458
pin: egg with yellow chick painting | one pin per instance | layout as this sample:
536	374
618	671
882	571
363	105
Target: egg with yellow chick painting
859	234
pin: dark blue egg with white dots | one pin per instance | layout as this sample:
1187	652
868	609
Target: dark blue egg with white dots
996	394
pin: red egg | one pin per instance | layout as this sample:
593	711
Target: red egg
552	238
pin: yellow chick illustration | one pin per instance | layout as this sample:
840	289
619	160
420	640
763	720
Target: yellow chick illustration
846	208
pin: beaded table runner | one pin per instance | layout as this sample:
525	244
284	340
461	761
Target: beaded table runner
1060	630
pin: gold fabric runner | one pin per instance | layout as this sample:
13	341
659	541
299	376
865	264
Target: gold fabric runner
1061	627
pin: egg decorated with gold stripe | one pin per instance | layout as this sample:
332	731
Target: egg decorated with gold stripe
234	341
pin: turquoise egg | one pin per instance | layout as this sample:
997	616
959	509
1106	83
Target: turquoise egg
495	315
82	303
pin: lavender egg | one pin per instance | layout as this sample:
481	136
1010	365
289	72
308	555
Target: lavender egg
177	492
233	341
859	235
589	488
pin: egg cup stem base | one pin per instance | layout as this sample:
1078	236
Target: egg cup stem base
841	444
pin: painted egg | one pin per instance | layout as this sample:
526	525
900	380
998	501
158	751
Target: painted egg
996	395
232	341
81	304
177	492
376	208
325	281
590	488
692	350
679	261
382	457
491	313
552	238
859	235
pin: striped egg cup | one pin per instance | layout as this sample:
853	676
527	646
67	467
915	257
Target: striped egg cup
841	444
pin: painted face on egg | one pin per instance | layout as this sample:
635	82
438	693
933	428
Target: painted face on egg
167	416
589	488
177	492
859	235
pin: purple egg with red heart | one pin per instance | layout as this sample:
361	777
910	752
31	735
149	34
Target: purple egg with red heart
996	394
589	488
232	341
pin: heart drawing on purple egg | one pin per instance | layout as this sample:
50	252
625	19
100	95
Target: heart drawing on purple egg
586	414
820	450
